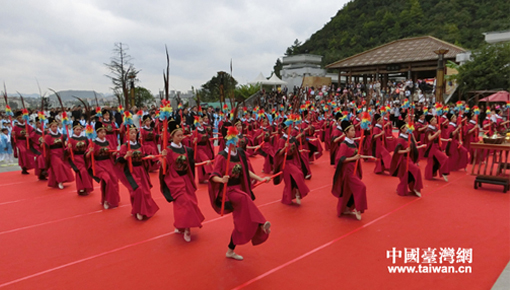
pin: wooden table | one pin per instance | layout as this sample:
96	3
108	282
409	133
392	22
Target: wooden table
491	164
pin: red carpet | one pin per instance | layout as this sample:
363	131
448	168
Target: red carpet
55	239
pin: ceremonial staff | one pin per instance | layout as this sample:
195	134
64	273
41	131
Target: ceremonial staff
128	120
231	141
8	110
365	123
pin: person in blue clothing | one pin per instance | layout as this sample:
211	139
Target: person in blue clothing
5	147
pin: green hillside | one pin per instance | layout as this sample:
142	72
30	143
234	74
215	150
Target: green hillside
365	24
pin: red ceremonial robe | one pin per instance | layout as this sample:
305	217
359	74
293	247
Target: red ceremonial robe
137	182
470	137
437	161
178	186
383	161
59	171
37	150
204	152
83	179
111	133
106	174
409	177
390	139
347	186
150	146
337	132
24	155
458	154
294	172
239	198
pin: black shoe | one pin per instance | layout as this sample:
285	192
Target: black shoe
24	171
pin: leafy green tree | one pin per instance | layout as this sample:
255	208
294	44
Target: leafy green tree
143	97
488	69
245	91
364	24
294	49
277	68
219	88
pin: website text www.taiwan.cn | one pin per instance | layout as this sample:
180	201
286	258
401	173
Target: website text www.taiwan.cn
430	260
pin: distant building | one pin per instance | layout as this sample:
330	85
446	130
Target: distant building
497	36
491	38
296	67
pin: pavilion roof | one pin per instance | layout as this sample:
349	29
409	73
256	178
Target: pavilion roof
405	50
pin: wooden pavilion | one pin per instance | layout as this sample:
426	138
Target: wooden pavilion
412	58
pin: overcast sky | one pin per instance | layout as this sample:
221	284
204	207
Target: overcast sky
64	44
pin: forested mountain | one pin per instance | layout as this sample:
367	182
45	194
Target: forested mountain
365	24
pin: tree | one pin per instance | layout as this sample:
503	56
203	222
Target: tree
220	87
294	49
245	91
488	69
277	68
122	71
143	97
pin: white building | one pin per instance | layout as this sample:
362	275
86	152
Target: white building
490	37
497	36
296	67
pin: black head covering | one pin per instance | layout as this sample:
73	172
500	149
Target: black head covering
145	117
468	114
224	128
429	117
173	126
17	114
345	125
105	111
37	119
377	117
77	124
237	120
400	124
99	126
52	121
338	116
449	116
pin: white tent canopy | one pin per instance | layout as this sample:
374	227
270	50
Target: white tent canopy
276	81
273	81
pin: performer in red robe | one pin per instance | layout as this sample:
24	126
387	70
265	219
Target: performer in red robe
295	168
137	179
470	134
111	130
378	151
79	144
419	133
347	185
407	170
264	136
388	132
310	142
458	154
105	173
249	223
21	151
178	182
337	137
437	161
38	151
149	142
59	171
205	152
297	133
